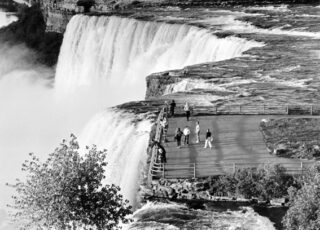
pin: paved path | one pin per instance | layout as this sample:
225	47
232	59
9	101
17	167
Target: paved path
237	139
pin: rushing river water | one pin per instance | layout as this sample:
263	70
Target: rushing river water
104	62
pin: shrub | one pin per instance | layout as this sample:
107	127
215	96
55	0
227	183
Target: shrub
65	192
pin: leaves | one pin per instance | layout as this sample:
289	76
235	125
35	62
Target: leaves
65	192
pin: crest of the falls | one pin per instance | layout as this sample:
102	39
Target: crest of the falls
110	57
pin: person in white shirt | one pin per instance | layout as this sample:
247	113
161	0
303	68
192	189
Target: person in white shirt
186	133
197	131
187	110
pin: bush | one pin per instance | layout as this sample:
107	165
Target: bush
65	192
265	183
304	211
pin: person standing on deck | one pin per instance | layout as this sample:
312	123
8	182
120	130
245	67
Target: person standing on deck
197	131
165	125
208	139
178	137
186	133
172	106
187	110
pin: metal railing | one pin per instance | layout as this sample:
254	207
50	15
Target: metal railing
198	170
263	109
155	167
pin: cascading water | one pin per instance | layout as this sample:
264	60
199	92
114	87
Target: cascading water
106	60
126	140
111	56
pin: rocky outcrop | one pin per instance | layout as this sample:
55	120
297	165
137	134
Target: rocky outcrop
292	137
9	5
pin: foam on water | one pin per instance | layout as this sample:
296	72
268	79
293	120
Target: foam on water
111	56
125	136
6	18
172	216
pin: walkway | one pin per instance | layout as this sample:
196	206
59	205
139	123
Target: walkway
237	139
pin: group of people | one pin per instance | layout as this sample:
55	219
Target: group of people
170	109
186	133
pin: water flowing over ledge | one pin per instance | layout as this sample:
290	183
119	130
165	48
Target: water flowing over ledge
111	56
126	137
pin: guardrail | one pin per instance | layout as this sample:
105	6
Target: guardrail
198	170
262	109
155	167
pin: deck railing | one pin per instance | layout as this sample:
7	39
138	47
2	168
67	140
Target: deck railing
263	109
190	170
155	166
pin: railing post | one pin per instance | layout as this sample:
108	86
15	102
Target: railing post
240	109
301	166
216	110
287	110
311	110
264	109
194	170
234	168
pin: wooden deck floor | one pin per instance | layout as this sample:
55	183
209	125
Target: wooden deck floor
237	139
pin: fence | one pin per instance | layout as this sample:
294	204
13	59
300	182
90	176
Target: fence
154	164
253	110
196	170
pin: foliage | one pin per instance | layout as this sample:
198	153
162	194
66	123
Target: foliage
265	183
65	192
304	212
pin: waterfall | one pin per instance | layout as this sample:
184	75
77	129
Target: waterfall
111	56
105	60
125	136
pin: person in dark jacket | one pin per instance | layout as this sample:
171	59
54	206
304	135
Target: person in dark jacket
178	137
162	154
208	139
172	107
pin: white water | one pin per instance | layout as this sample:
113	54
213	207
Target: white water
113	55
126	140
160	215
6	19
103	62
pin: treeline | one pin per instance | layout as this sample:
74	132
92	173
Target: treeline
31	30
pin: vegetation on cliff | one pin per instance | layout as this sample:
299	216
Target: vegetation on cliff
30	29
65	192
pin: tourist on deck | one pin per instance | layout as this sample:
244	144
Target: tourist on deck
165	125
166	108
162	154
178	137
187	110
186	133
172	107
197	131
208	139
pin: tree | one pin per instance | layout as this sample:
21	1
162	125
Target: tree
65	192
304	212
